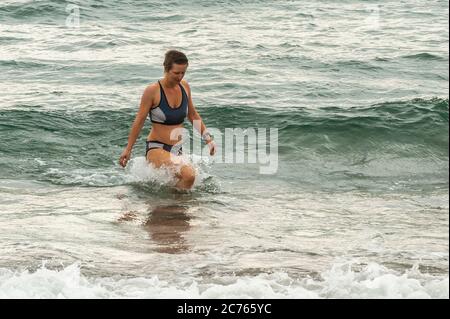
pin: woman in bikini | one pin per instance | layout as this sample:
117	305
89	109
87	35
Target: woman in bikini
168	102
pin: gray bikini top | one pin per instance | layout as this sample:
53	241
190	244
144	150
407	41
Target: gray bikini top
164	114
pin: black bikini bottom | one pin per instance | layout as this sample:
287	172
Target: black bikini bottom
174	149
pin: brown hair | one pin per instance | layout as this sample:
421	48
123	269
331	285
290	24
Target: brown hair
174	56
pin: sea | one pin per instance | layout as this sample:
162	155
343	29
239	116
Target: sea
347	102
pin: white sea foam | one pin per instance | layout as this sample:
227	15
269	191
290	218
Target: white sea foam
140	171
137	171
373	281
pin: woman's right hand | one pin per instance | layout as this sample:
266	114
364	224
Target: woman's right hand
125	157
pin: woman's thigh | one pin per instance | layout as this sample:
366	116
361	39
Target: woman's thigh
161	158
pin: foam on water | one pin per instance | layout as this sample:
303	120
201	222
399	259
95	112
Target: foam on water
138	171
341	281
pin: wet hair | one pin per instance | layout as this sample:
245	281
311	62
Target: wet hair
174	56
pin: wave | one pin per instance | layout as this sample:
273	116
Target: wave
11	40
341	281
396	117
386	140
357	64
53	10
419	120
16	64
425	56
32	9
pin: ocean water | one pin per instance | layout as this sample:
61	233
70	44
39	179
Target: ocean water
358	205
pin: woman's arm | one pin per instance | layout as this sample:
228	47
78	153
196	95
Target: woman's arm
136	127
197	121
194	116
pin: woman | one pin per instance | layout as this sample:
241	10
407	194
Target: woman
168	102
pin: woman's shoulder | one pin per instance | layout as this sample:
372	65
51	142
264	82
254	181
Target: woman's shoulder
186	86
151	93
152	89
152	86
185	83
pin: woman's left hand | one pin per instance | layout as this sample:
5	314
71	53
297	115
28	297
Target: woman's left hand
212	148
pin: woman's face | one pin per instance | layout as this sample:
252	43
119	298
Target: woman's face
177	72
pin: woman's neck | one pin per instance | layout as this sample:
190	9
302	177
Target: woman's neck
168	84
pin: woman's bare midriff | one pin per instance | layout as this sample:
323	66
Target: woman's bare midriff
159	157
162	132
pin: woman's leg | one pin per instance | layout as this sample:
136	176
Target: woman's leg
184	172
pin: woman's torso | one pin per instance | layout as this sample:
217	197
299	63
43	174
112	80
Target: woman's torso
169	106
